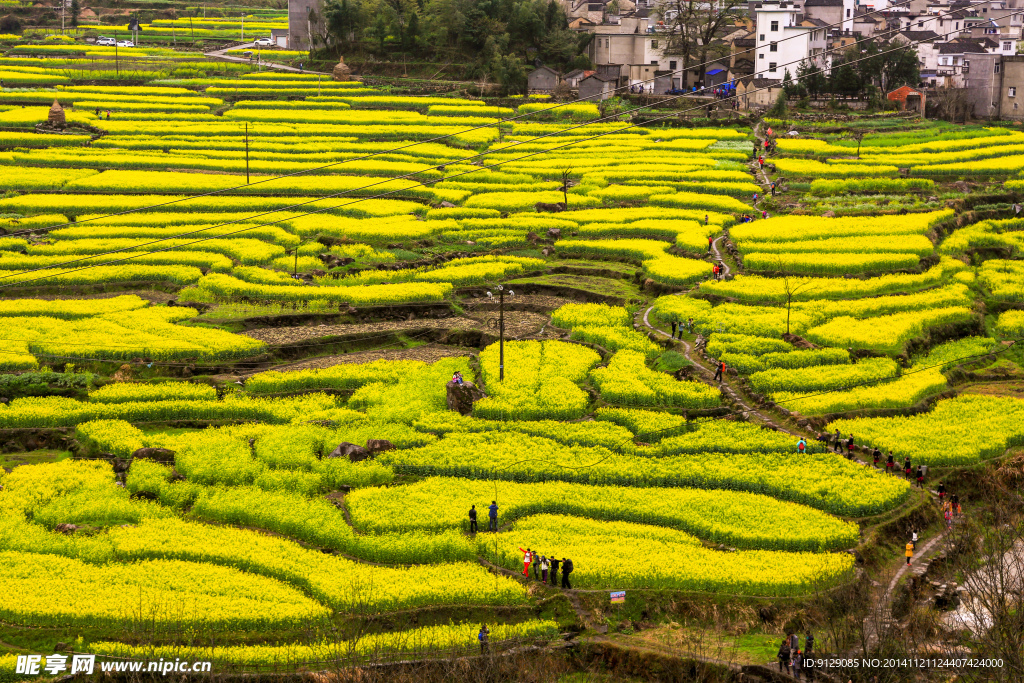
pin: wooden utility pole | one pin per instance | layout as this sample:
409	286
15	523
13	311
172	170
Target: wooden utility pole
247	153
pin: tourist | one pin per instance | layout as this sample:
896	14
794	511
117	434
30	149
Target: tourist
554	571
527	559
472	519
798	661
492	514
773	188
801	446
941	490
544	569
836	444
711	242
910	552
890	463
566	570
674	328
457	378
705	219
714	271
689	325
536	566
876	455
482	637
784	656
849	448
913	539
809	643
906	469
720	370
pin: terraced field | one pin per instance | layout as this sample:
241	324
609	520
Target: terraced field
248	271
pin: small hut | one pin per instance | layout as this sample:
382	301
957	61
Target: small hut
56	118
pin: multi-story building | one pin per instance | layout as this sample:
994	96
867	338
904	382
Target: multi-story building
784	39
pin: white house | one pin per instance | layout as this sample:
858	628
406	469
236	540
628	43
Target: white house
784	40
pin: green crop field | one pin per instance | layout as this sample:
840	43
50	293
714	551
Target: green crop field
275	277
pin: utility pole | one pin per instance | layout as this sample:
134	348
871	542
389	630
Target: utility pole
501	329
241	34
117	64
247	158
501	334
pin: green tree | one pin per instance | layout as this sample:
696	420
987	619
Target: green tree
379	30
411	37
75	9
345	21
811	78
510	72
779	110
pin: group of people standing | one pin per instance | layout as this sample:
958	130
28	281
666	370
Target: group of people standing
543	565
791	658
677	327
492	517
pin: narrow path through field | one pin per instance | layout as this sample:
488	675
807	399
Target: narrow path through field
718	255
882	617
223	54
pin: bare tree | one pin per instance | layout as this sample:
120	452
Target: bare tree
859	137
985	550
692	31
791	286
953	104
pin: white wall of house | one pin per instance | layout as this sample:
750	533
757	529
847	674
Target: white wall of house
781	45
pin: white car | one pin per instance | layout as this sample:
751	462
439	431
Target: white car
125	43
264	42
104	40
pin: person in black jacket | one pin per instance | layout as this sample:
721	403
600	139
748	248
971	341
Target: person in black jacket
566	570
472	519
554	571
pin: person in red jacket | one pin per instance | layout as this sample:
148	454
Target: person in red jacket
527	559
720	371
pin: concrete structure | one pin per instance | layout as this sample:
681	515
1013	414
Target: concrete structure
299	26
598	87
646	75
1011	91
982	79
626	42
909	99
573	78
543	79
757	92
